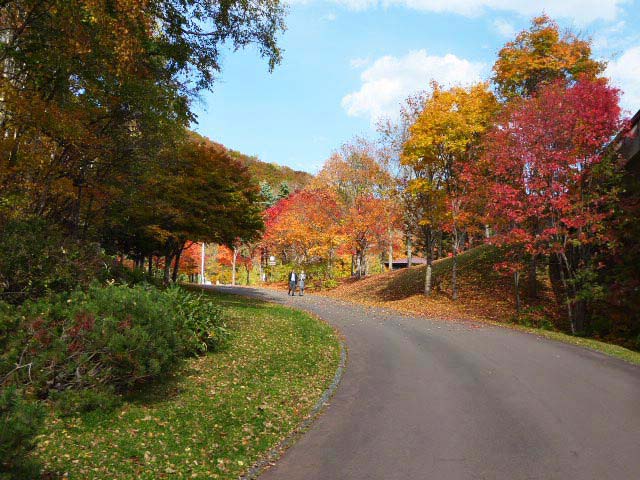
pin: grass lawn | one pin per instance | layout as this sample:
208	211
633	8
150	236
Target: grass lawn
217	416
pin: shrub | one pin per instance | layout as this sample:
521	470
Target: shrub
20	422
114	272
11	338
114	336
201	322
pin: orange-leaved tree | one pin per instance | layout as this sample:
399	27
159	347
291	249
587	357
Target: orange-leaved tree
305	227
363	186
540	55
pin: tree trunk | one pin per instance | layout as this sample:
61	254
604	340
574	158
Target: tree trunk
454	268
167	269
150	269
532	282
248	269
580	317
555	279
566	290
233	266
390	252
176	265
516	284
330	269
363	264
409	252
576	308
427	279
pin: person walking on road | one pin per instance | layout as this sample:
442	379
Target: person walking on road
292	283
301	279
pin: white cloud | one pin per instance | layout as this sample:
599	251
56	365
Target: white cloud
357	63
625	74
582	11
329	17
387	82
505	28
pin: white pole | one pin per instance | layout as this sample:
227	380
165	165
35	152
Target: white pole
202	278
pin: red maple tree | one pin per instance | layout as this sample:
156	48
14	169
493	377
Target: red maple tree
544	169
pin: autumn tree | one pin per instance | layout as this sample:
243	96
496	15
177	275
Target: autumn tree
239	254
305	227
94	92
195	193
543	54
394	133
442	140
547	174
362	185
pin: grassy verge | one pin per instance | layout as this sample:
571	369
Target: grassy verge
613	350
217	416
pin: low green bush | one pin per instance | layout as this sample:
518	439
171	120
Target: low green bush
20	423
81	350
112	335
201	321
114	272
108	337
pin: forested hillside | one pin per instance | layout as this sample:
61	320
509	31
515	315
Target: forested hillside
260	171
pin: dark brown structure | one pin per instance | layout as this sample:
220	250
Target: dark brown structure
404	263
628	145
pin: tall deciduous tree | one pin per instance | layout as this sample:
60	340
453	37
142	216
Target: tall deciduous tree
543	54
544	165
305	227
362	185
194	193
442	140
93	91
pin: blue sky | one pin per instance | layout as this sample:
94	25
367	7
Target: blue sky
348	62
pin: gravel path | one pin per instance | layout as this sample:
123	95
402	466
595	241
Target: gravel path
429	399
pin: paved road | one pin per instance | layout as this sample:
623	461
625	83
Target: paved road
424	399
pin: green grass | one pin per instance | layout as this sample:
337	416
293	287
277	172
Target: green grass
217	416
613	350
476	262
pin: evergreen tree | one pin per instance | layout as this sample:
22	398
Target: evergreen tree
285	190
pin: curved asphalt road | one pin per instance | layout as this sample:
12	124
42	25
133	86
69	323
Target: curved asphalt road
425	399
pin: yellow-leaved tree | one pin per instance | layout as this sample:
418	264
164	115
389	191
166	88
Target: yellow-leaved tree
442	140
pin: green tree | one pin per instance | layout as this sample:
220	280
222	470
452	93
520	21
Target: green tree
267	197
284	191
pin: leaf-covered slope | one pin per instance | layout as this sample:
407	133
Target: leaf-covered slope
483	292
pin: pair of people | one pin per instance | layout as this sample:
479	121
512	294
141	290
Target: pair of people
296	280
